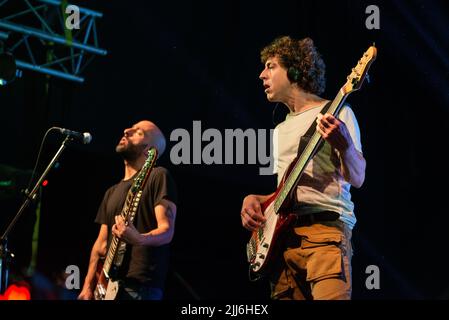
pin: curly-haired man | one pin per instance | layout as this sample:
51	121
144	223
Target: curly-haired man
316	250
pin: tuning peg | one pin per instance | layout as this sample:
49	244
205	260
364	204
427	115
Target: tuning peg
357	73
368	78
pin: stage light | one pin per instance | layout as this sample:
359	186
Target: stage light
7	68
16	292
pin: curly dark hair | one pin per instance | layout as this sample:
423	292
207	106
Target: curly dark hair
302	61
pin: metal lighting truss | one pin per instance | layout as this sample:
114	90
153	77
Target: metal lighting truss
41	41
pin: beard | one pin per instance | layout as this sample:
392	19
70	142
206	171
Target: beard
130	152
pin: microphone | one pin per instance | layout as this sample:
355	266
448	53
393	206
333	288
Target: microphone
85	137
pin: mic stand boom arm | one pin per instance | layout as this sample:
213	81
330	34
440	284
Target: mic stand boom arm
5	254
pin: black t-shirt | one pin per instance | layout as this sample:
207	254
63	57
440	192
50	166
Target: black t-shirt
147	265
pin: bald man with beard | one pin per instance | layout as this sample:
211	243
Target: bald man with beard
144	268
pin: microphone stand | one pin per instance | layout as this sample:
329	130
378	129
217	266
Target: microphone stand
5	255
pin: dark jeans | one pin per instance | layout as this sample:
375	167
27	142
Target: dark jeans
133	291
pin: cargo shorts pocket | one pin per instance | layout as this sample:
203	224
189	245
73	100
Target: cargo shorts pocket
324	256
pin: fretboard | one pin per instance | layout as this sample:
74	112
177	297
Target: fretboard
112	251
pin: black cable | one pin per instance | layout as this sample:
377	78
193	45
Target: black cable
272	115
37	159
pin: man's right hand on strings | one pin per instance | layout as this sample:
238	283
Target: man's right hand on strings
251	213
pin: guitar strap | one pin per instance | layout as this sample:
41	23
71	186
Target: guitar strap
306	137
302	145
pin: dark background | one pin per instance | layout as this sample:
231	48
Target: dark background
178	62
